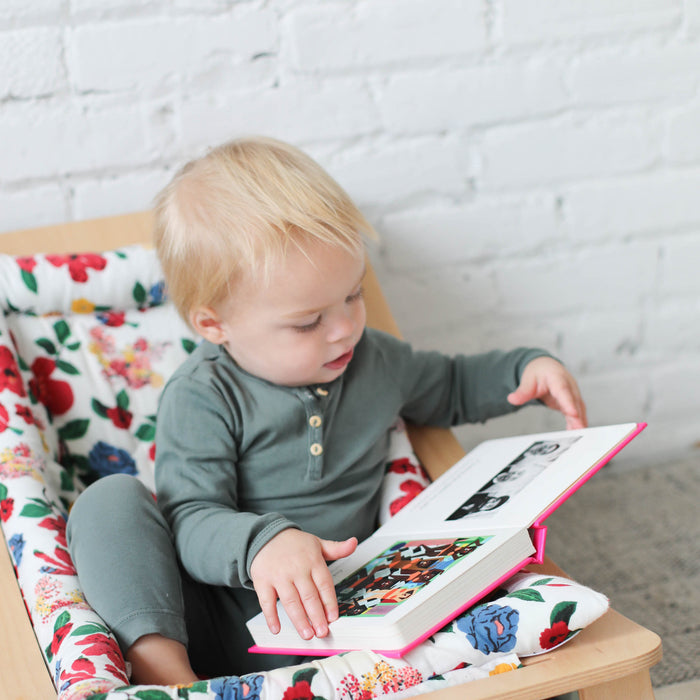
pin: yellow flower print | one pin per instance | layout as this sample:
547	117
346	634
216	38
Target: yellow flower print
502	668
82	306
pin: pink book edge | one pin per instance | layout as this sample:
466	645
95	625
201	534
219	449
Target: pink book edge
538	532
594	470
397	653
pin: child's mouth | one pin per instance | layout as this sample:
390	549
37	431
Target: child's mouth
341	361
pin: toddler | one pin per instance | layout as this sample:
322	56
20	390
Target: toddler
272	437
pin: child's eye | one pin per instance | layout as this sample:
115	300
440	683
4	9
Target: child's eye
356	295
306	328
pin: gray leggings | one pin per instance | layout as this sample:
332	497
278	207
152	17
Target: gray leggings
128	569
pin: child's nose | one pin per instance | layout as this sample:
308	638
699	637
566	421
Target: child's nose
343	326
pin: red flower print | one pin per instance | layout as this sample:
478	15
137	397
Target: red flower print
10	377
401	466
120	417
58	636
82	669
78	264
152	452
299	691
6	506
23	450
102	645
26	414
55	394
26	263
555	635
411	489
112	318
58	525
4	419
60	563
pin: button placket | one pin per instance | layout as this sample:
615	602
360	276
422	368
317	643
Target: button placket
314	422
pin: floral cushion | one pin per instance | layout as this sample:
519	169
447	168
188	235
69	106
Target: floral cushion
86	343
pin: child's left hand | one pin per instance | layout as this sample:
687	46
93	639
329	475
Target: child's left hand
549	381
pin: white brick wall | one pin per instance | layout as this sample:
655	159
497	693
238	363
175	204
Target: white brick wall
532	165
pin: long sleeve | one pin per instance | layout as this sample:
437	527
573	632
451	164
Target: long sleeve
197	486
446	391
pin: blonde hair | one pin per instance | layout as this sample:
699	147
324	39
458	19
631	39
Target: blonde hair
235	210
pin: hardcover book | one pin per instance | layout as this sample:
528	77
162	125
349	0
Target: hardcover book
468	531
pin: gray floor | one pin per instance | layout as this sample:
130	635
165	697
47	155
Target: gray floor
635	536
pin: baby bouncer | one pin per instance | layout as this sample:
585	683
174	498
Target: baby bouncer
86	342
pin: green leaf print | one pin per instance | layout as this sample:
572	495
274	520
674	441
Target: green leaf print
29	280
62	331
67	367
47	345
527	594
139	293
562	612
74	429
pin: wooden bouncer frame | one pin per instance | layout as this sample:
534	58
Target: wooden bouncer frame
608	660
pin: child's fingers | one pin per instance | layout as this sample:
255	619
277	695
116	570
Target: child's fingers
267	597
304	608
326	590
566	397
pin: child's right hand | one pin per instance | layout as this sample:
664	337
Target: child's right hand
292	567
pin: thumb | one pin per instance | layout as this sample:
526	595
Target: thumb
332	550
524	393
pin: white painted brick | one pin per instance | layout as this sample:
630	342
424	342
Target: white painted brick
55	137
82	10
115	195
661	443
328	37
680	266
622	75
533	21
692	14
439	99
564	149
621	277
419	303
377	173
159	52
34	206
480	330
673	330
446	234
617	396
660	201
601	340
683	136
31	60
19	12
300	111
675	391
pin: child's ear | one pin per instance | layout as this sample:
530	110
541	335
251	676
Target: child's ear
206	323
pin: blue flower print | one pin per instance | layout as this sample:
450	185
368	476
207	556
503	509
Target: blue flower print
106	459
157	293
235	688
490	628
16	543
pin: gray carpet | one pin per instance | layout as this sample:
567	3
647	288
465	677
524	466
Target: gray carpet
635	536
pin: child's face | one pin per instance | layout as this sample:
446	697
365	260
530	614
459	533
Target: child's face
299	328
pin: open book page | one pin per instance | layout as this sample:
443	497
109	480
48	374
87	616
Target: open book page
395	590
510	482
